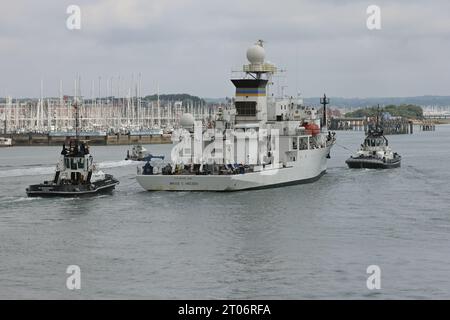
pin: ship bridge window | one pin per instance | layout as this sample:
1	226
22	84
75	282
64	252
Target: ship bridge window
73	164
81	163
376	142
370	143
245	108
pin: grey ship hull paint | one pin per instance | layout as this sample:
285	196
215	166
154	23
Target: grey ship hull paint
309	168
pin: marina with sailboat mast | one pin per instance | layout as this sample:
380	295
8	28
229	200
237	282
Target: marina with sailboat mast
114	114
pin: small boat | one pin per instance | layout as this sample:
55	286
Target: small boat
375	152
138	153
5	142
76	174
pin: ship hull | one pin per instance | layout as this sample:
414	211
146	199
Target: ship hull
361	163
309	168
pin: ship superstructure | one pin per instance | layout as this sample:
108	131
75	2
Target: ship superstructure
262	142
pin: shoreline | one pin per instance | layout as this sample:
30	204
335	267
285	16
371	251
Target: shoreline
44	139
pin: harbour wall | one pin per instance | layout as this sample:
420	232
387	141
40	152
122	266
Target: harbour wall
42	139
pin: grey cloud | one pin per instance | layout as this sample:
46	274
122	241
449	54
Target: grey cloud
191	46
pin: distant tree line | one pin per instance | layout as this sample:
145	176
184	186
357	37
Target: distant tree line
366	102
409	111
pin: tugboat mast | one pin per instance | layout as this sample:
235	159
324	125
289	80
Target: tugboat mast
77	113
77	121
378	126
378	116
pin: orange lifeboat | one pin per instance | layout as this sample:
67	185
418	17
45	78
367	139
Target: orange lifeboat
312	129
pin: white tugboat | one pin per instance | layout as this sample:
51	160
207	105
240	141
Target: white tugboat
137	153
375	152
76	174
263	142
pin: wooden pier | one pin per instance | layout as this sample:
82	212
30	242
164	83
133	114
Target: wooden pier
352	124
427	125
390	126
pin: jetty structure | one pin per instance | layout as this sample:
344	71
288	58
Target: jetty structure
396	125
397	119
264	141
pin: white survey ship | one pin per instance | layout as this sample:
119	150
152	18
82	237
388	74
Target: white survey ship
262	142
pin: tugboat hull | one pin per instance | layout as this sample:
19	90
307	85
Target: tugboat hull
72	190
364	163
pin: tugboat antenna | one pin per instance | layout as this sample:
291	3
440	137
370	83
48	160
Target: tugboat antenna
77	114
77	121
378	117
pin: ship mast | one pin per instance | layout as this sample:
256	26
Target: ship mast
251	91
324	101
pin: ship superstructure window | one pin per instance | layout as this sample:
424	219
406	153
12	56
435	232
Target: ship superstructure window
245	108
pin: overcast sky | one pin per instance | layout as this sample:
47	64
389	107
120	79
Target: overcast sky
190	46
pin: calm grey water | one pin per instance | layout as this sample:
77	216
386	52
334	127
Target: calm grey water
305	241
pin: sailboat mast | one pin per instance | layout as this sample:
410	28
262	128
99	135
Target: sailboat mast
158	111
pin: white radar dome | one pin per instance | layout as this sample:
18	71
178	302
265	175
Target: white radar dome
187	120
256	54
